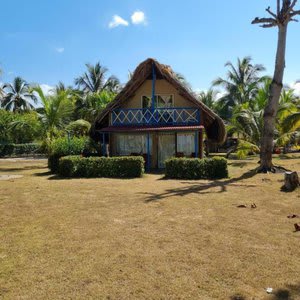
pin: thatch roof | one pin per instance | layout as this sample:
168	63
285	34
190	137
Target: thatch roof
214	126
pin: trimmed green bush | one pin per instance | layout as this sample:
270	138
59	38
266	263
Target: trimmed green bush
114	167
195	168
20	149
6	150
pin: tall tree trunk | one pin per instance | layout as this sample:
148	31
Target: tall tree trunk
284	14
272	105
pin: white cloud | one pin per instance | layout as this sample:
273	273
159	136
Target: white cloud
60	50
138	17
47	89
221	94
296	87
218	94
117	21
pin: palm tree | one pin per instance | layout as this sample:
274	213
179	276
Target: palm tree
56	111
94	80
88	107
181	78
242	84
209	98
247	120
285	13
18	96
1	87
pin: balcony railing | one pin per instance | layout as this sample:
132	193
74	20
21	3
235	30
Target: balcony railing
157	116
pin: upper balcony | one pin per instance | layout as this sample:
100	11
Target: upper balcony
157	116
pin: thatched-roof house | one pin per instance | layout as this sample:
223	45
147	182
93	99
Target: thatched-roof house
155	115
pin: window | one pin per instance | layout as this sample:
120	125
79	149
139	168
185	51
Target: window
161	101
146	102
186	143
164	101
128	144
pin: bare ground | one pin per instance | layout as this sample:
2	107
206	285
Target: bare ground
147	238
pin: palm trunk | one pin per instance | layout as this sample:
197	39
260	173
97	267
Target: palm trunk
272	105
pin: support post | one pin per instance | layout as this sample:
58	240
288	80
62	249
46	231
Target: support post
201	143
103	144
153	87
148	153
176	138
196	144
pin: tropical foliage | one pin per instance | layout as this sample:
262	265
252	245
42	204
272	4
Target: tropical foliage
30	115
17	96
246	93
241	85
95	80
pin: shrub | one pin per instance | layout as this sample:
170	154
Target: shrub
195	168
65	146
19	128
30	148
6	150
115	167
68	146
19	149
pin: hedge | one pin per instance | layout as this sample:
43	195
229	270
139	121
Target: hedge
114	167
195	168
20	149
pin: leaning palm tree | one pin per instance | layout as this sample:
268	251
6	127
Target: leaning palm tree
285	13
94	80
241	85
18	96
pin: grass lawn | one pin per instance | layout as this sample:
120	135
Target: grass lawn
147	238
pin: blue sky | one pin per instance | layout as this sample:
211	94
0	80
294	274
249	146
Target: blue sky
50	41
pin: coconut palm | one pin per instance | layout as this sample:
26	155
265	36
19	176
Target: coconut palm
88	107
284	14
2	93
241	85
56	111
94	80
18	96
181	78
209	98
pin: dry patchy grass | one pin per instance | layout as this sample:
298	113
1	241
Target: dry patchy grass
147	238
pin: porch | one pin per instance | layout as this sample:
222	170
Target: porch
155	144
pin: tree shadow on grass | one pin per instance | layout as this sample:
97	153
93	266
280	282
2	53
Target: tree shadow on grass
25	168
237	297
202	187
240	164
288	292
52	176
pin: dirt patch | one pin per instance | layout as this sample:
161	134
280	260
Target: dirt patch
8	177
